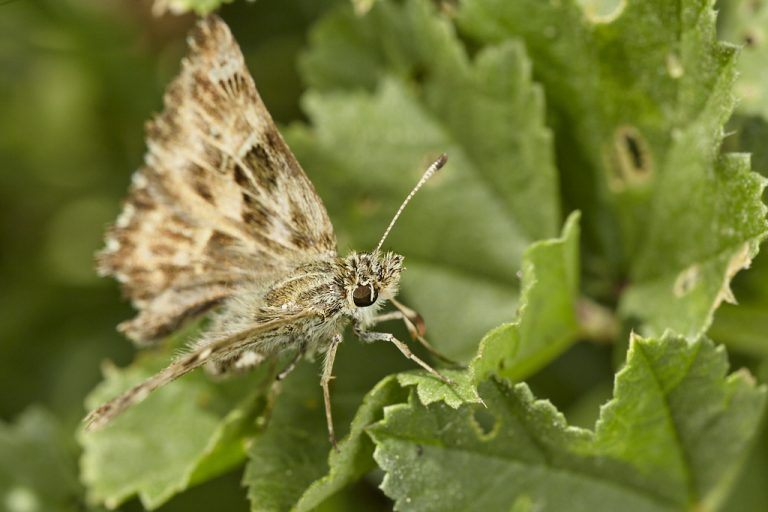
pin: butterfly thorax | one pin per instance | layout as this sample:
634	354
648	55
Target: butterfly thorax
334	291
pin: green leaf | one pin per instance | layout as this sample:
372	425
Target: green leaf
639	99
747	134
601	10
38	465
186	432
743	23
394	88
291	464
499	121
429	389
670	439
292	451
546	322
701	419
745	326
750	491
200	7
355	456
685	298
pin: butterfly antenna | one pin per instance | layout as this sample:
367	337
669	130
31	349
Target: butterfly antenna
431	171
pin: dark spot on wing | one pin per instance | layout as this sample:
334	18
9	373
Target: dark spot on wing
233	85
301	240
299	219
255	220
213	155
174	235
205	97
240	178
241	83
161	249
220	239
273	139
301	236
327	240
142	201
197	172
256	214
204	191
202	89
264	171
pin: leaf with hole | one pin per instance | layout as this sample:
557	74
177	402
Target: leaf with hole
670	439
639	99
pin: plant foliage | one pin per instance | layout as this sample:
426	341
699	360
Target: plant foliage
574	255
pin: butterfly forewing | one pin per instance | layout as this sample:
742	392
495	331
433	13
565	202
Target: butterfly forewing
220	202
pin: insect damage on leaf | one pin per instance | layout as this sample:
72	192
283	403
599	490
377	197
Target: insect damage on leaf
632	162
676	427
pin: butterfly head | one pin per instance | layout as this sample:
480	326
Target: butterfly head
370	279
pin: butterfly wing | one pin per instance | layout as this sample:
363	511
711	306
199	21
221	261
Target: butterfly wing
220	201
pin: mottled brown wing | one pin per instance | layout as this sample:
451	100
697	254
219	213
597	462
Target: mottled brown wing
220	200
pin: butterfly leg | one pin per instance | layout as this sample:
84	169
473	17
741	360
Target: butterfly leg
412	319
416	329
386	317
370	337
292	365
325	380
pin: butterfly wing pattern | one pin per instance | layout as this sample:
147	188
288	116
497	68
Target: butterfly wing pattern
220	203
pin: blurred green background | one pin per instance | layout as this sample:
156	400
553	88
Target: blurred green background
78	78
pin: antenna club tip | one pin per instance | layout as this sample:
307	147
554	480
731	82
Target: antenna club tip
441	161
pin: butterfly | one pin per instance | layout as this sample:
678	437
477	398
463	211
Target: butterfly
221	217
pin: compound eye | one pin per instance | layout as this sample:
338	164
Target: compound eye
364	296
